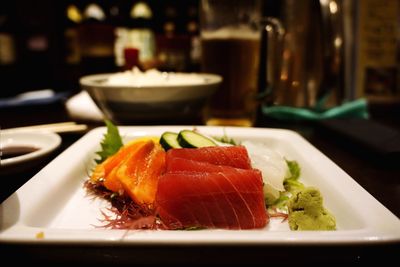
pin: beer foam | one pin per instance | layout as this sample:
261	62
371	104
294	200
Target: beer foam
240	32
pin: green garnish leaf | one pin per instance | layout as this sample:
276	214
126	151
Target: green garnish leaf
292	185
294	169
111	142
281	201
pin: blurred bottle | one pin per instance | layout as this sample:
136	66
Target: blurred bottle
120	19
8	54
38	44
168	45
192	28
96	36
71	35
141	35
7	41
376	32
175	39
131	58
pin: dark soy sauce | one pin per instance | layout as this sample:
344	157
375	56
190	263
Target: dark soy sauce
15	151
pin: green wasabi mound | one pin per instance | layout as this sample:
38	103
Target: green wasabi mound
306	211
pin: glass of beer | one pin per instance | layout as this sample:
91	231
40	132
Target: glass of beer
230	42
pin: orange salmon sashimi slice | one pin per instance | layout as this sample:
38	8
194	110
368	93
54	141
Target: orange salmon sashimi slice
112	181
140	172
103	169
106	170
133	170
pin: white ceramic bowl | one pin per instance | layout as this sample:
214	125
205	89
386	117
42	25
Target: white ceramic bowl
147	103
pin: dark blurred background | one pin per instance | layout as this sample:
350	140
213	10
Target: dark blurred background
50	44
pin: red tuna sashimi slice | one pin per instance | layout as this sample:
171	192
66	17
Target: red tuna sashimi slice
232	199
174	164
190	166
234	156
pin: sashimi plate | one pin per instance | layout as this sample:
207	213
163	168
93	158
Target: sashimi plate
53	206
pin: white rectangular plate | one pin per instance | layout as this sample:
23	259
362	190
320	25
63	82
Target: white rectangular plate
53	207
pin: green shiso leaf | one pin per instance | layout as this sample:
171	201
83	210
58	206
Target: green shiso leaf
111	142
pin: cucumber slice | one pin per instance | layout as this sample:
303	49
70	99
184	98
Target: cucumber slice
169	140
191	139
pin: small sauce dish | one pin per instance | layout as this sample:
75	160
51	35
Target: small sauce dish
18	147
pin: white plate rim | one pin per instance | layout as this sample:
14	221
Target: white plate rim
382	226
